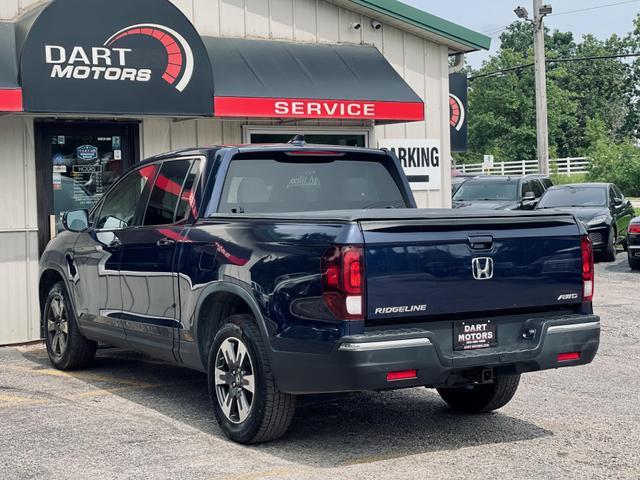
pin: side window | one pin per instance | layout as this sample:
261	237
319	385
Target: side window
526	188
618	192
189	190
612	194
119	206
538	189
166	193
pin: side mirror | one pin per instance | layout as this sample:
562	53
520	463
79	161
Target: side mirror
75	220
529	196
617	202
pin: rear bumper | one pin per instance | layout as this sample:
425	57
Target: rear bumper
361	362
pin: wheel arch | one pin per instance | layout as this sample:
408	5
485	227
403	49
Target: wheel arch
49	276
217	302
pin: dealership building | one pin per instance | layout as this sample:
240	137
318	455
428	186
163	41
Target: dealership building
89	87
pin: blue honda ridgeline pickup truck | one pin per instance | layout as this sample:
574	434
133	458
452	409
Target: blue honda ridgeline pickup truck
296	269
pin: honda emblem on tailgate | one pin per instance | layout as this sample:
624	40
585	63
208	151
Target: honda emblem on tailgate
482	268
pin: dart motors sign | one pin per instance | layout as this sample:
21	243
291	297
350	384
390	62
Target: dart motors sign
458	116
121	56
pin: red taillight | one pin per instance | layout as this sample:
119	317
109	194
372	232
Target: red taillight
342	271
587	269
351	261
401	375
568	356
634	228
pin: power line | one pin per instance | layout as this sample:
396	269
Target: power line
495	31
555	60
596	7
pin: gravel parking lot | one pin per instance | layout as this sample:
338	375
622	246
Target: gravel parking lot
131	417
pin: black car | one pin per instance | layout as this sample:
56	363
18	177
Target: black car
633	243
458	180
601	207
500	193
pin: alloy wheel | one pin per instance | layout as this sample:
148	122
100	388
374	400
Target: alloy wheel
58	326
234	380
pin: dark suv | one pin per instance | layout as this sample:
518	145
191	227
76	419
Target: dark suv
501	193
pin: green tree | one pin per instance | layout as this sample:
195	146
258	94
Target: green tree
616	161
502	106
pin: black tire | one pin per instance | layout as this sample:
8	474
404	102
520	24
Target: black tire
634	262
270	411
609	253
482	398
625	244
67	350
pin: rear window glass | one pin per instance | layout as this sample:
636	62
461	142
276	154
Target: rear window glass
574	197
478	190
271	186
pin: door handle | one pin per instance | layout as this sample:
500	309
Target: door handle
165	243
114	245
481	242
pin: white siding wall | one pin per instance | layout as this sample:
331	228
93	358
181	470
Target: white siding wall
423	64
9	9
18	232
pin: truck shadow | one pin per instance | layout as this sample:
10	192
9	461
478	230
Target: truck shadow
328	430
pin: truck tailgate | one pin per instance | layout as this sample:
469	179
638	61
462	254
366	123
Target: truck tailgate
459	266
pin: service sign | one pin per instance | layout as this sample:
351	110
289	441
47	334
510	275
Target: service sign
120	56
420	160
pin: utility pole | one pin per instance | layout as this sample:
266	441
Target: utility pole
542	129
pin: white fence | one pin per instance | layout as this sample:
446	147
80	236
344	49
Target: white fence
565	166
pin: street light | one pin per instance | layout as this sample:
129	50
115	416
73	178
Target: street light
542	129
522	13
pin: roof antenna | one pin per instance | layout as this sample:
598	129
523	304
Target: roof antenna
298	140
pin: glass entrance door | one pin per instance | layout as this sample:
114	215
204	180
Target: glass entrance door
77	165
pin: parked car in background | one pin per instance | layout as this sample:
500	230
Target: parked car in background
633	243
458	180
602	208
546	181
500	193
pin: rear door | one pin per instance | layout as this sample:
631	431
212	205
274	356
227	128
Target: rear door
146	266
459	266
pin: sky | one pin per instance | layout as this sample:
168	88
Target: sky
490	16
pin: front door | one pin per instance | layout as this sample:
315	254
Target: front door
77	162
97	256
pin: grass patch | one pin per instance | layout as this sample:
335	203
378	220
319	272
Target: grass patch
563	179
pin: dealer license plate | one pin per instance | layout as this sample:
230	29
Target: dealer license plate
470	335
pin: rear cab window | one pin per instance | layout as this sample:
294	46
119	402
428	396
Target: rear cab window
276	182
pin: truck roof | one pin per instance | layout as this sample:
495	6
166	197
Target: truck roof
262	147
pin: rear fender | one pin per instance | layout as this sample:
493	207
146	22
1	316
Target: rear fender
237	290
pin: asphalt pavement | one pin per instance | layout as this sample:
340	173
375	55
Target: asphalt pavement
132	417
